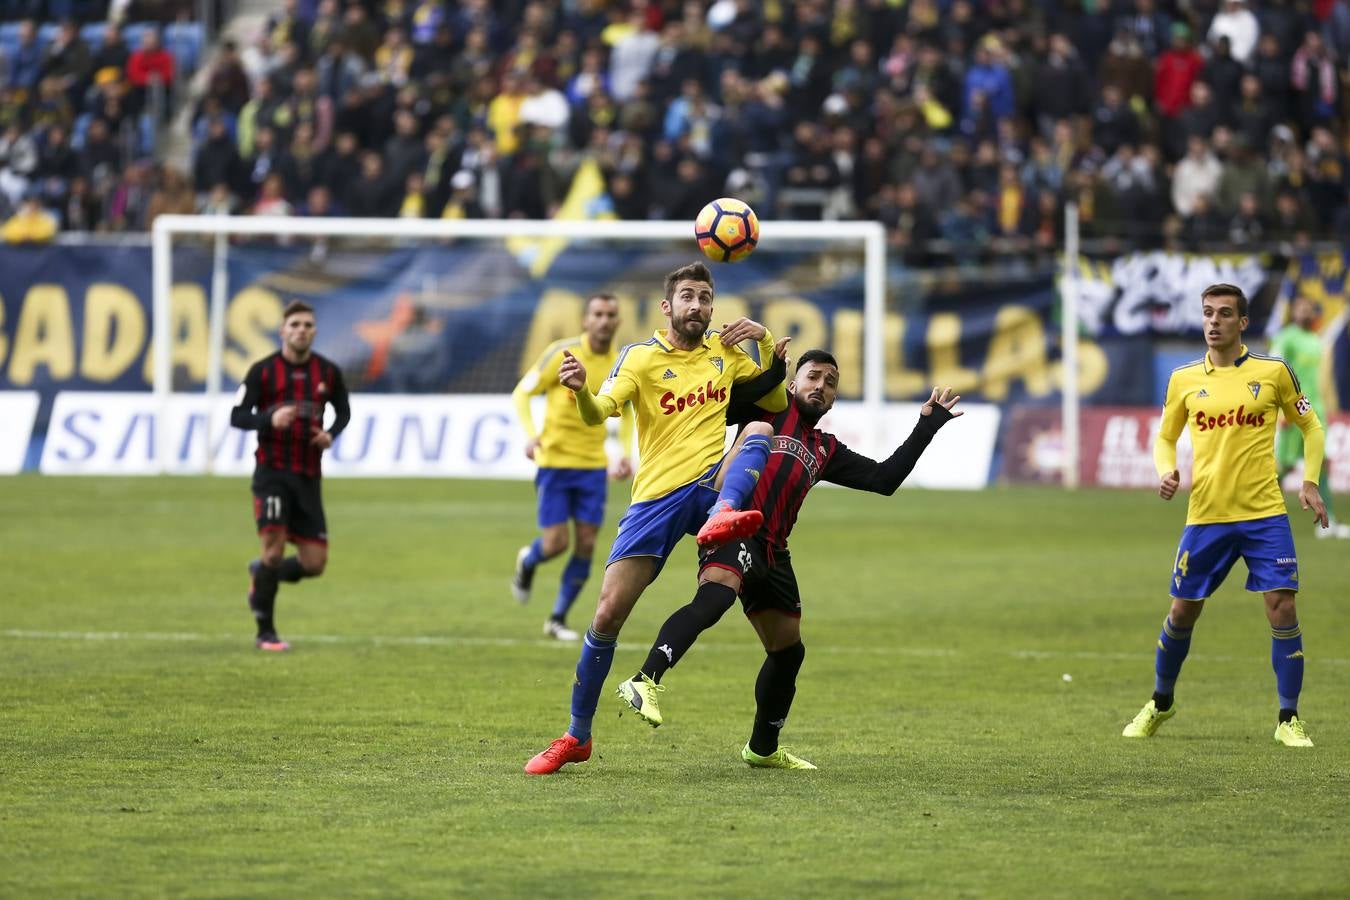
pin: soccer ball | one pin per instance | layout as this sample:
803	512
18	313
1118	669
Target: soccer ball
727	230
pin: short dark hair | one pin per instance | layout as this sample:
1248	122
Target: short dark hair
603	296
1227	290
296	306
817	356
693	272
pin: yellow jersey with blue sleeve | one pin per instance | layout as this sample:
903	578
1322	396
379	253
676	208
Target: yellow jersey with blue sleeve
565	441
1231	411
680	397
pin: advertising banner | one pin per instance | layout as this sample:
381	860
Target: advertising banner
400	435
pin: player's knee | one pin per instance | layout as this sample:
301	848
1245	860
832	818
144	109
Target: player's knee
763	428
1280	608
790	657
553	544
314	567
271	557
585	548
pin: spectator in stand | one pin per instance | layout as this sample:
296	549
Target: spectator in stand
227	82
633	49
112	53
217	160
1224	74
1062	84
990	77
219	202
1177	71
131	198
1150	28
81	210
1196	175
1248	226
371	195
271	198
25	59
68	61
394	58
31	224
173	195
463	202
150	64
1113	123
1312	76
1238	24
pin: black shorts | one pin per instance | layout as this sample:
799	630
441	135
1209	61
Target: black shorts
763	586
285	501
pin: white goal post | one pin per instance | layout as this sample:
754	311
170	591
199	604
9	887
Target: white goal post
870	235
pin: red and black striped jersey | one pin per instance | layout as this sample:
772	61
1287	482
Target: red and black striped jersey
800	455
309	386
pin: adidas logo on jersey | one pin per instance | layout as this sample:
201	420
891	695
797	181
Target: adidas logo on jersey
669	374
1203	393
716	361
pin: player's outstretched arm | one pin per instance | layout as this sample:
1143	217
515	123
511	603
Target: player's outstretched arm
856	471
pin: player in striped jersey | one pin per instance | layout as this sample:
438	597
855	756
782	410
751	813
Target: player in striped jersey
283	398
573	465
759	568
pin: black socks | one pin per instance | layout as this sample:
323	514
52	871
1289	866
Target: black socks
774	690
684	626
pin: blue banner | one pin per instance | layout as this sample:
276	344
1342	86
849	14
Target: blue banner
468	317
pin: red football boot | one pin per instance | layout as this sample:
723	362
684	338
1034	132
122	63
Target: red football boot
728	524
564	750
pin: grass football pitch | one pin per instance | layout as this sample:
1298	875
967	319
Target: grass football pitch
971	660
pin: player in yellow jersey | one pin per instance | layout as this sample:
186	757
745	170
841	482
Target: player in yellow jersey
1231	399
680	383
573	464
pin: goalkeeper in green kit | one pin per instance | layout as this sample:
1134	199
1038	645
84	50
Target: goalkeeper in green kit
1301	347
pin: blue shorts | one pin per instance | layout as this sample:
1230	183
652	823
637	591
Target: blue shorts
1207	552
654	527
570	494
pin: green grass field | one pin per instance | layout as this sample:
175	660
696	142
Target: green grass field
147	749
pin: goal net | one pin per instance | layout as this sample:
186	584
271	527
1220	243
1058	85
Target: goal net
433	321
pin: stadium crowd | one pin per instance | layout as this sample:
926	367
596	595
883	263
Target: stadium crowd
964	124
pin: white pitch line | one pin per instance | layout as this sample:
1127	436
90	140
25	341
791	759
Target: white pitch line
430	640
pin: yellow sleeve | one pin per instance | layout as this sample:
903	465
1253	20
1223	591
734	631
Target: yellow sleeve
1298	410
627	428
534	381
594	408
1173	420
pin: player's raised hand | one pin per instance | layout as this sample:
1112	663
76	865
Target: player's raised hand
320	438
946	400
1167	488
1310	498
780	348
571	374
283	416
742	329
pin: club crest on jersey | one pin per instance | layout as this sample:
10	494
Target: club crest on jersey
1255	388
716	361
